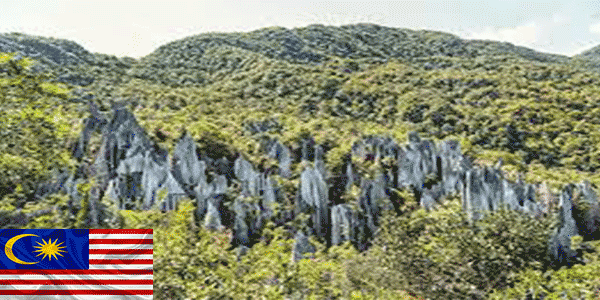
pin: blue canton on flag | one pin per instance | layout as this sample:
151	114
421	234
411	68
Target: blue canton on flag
45	249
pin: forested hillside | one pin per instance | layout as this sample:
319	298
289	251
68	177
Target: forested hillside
246	150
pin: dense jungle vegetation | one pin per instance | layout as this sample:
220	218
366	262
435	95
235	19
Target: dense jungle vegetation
539	112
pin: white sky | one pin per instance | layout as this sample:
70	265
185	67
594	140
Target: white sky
136	28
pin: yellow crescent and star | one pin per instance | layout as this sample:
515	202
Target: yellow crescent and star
47	249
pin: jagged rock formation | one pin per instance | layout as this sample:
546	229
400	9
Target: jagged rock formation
301	247
132	170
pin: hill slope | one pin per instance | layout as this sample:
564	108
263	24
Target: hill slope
310	120
317	43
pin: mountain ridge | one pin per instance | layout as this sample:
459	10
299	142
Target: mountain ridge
363	28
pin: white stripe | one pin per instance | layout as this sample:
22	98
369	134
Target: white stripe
76	277
124	267
121	256
83	297
121	236
76	287
125	246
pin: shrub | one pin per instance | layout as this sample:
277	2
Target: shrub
438	255
33	126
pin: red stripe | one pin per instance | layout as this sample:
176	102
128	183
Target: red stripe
121	251
120	231
76	282
120	241
77	272
76	292
121	261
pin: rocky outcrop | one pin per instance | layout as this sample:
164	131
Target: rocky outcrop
560	245
313	196
344	224
301	247
132	170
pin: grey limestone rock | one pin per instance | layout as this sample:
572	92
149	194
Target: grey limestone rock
52	186
318	152
254	183
510	195
247	222
240	227
153	176
222	166
429	157
349	176
220	184
410	169
314	193
112	190
174	192
132	168
241	169
250	179
285	162
282	154
416	162
212	220
92	124
203	191
319	163
308	149
269	196
372	200
587	212
187	168
343	224
492	185
450	157
241	251
547	199
95	213
560	244
302	246
474	199
431	197
427	201
413	138
133	164
305	150
70	188
359	149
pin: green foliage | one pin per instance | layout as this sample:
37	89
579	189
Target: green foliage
192	263
58	217
84	210
578	282
438	255
33	127
539	112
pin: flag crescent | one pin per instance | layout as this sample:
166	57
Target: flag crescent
9	252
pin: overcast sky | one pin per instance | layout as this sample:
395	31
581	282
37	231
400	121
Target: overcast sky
136	28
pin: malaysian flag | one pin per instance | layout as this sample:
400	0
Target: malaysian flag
76	264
